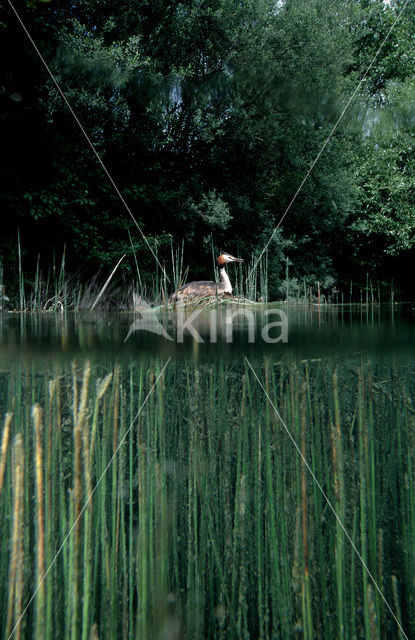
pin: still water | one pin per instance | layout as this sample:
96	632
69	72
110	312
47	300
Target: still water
232	480
300	330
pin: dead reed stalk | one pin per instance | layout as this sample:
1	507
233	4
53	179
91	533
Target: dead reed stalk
16	580
4	446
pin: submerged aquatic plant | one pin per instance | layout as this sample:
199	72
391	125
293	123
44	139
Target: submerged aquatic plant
207	523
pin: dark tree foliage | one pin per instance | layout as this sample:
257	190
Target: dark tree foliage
208	115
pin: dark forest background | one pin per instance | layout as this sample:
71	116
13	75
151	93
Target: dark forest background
208	114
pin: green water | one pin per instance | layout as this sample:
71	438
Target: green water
215	469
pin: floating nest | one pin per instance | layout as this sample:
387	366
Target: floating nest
212	301
199	301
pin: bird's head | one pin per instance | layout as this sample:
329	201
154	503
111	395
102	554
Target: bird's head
224	258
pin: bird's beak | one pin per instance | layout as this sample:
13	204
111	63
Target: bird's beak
237	259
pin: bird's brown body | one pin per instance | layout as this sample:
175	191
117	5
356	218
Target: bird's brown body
207	288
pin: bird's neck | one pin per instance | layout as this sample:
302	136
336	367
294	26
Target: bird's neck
224	278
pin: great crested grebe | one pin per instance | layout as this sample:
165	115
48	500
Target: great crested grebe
204	288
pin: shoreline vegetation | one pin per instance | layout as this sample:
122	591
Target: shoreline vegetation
209	117
58	291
